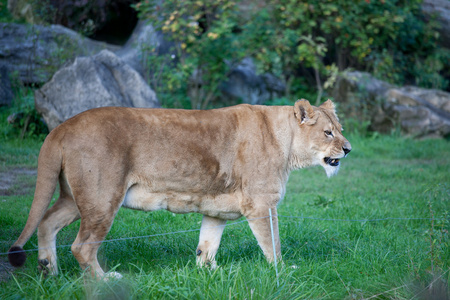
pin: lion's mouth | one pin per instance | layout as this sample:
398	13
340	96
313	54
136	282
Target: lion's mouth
332	161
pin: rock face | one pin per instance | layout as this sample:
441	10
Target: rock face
139	45
100	80
415	111
245	84
359	92
419	112
35	52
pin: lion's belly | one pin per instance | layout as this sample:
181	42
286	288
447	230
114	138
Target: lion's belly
224	206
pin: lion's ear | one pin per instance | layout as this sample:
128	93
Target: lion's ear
329	105
304	112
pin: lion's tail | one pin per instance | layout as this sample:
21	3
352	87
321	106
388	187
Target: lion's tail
49	168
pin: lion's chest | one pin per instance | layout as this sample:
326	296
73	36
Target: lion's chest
224	206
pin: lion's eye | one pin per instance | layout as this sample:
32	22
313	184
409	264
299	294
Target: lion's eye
328	133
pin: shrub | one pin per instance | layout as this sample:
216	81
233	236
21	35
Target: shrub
389	38
5	16
205	45
292	39
21	120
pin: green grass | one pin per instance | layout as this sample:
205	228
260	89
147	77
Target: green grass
383	177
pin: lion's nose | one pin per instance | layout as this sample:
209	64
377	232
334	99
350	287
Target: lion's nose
347	147
346	150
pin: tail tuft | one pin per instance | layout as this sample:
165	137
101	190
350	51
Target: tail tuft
16	256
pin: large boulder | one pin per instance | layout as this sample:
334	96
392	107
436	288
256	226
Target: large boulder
415	111
89	82
245	84
36	52
419	112
358	93
144	41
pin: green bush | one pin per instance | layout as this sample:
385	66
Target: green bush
295	39
205	46
389	38
5	16
21	120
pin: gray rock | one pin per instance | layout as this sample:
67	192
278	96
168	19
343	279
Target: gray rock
89	82
35	52
408	107
144	41
438	99
245	84
415	111
350	83
243	81
359	93
6	94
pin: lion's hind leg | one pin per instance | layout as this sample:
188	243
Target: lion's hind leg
96	221
210	235
61	214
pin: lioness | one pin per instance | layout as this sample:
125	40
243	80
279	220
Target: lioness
223	163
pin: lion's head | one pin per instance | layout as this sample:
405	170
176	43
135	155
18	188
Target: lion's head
322	133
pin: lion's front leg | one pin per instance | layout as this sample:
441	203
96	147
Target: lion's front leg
259	222
210	235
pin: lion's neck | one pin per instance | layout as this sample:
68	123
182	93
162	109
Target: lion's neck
299	160
300	154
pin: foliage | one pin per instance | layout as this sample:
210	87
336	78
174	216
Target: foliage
5	16
282	43
21	120
383	177
205	46
293	39
356	126
166	77
431	69
388	38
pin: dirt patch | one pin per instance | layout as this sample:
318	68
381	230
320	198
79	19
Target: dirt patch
17	181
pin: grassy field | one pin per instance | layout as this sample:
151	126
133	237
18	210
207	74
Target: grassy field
378	230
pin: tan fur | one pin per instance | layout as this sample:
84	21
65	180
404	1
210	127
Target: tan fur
222	163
